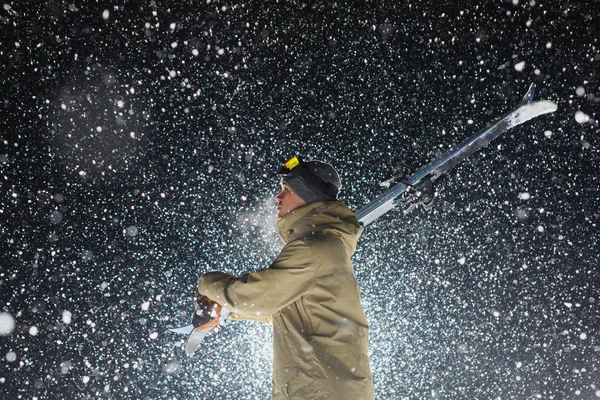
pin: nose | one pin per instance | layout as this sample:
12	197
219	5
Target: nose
278	197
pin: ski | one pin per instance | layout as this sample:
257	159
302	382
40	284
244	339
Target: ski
195	336
417	188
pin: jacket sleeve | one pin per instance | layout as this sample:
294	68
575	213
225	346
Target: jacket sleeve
260	294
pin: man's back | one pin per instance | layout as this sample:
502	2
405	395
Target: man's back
320	339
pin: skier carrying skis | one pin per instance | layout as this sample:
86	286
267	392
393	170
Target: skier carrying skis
309	292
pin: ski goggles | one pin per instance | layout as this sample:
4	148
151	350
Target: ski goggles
296	168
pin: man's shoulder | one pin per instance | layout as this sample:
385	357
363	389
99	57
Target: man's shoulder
312	241
317	243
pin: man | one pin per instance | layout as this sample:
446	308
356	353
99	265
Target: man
320	333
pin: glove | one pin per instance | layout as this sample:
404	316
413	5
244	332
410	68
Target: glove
207	314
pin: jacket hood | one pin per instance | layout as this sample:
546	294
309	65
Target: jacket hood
330	217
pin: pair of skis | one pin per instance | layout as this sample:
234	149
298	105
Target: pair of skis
417	189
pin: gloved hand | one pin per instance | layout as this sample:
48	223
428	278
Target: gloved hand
207	314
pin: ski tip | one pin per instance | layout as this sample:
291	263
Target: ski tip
540	108
528	98
549	106
192	342
189	352
186	330
531	110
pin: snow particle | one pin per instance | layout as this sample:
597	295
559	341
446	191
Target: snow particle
582	117
524	196
153	335
307	349
462	260
171	368
540	228
67	317
106	15
56	217
33	331
86	255
548	134
65	367
132	231
520	66
580	91
521	214
11	356
583	336
7	324
145	305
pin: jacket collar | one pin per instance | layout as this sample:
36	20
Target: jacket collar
330	217
288	225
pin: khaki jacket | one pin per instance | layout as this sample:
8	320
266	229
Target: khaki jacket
320	333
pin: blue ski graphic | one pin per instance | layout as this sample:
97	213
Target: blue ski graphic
528	109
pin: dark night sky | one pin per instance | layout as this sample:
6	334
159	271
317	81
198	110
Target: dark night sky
139	142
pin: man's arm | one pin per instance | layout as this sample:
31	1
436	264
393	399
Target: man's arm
260	294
